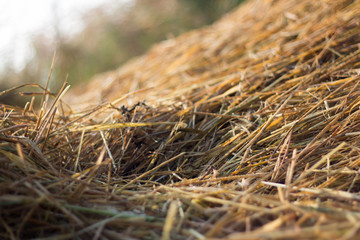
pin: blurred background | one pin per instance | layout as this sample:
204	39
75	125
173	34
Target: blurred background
89	37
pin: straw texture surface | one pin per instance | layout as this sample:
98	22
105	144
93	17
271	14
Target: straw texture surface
245	129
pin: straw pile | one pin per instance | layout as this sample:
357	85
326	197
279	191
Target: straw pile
246	129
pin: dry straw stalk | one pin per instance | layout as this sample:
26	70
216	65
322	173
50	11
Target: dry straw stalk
246	129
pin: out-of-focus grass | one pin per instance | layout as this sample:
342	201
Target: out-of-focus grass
109	39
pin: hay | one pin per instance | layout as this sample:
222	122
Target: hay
246	129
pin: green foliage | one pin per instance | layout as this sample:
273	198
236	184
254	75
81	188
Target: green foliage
110	38
212	9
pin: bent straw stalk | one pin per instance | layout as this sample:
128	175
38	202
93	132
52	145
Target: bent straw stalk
245	129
